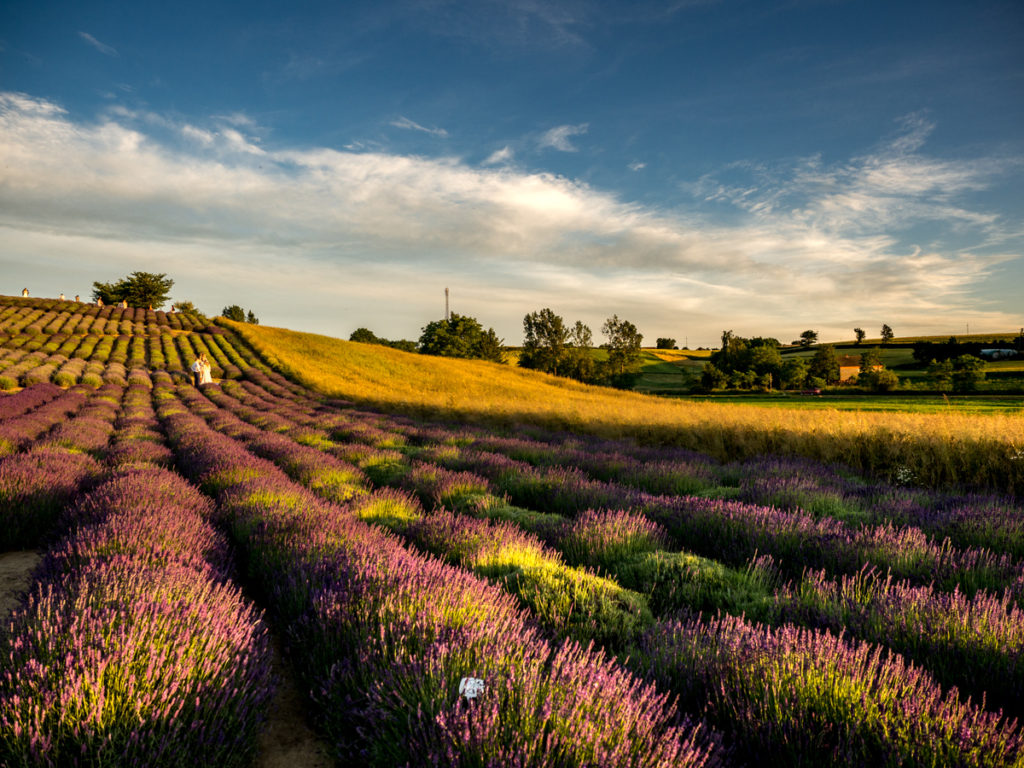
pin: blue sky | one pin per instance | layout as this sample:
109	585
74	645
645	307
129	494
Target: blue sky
764	167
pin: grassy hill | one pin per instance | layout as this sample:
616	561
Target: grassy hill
952	446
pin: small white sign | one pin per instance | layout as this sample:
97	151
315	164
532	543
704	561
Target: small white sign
471	687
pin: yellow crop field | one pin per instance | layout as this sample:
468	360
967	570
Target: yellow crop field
952	447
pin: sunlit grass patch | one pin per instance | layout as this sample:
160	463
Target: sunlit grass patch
389	508
576	603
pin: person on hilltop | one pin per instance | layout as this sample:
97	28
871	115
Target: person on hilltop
24	293
62	296
201	371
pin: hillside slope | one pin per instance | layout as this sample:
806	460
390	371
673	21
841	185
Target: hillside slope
954	447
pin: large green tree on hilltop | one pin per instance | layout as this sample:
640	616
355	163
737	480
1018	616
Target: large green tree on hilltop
139	289
460	336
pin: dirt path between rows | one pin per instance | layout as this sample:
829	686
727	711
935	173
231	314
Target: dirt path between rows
15	569
287	741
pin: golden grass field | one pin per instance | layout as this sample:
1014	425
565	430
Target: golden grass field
935	448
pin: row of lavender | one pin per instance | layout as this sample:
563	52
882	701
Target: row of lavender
92	360
132	646
386	637
18	315
855	670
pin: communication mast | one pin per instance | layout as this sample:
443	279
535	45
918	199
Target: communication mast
447	315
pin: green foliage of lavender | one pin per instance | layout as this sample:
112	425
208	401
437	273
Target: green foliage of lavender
792	696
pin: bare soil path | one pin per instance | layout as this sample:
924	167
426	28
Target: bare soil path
15	570
287	741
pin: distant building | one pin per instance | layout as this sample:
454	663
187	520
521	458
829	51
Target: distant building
849	367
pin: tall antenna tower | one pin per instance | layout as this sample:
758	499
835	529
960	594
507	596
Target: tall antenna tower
447	315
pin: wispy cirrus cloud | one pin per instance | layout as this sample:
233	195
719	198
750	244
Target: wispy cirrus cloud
559	137
103	48
499	156
409	125
811	244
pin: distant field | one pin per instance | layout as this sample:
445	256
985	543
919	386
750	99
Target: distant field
949	445
980	404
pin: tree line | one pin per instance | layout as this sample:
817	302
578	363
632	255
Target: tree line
550	345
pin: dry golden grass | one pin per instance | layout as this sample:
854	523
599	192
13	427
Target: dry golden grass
934	449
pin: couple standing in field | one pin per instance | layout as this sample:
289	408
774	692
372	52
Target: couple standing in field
201	370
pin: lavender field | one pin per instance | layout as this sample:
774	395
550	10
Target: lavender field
448	594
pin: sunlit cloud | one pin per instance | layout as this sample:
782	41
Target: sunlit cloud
310	233
558	137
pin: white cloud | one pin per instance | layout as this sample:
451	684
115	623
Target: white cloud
305	230
409	125
637	166
500	156
103	48
558	137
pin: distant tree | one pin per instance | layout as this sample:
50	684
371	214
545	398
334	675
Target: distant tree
869	360
234	312
184	307
887	334
139	289
874	377
491	347
663	343
859	333
968	373
460	336
727	337
405	345
766	361
551	346
239	315
879	381
364	336
623	347
712	378
793	373
580	363
808	338
824	365
940	374
734	354
742	379
545	338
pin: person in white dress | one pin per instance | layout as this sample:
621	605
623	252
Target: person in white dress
201	371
